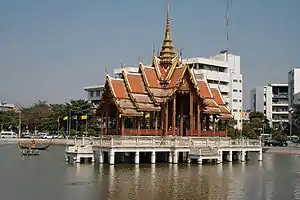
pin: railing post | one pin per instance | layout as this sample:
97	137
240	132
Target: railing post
136	141
153	141
112	141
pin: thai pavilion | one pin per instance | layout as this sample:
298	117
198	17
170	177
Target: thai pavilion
164	98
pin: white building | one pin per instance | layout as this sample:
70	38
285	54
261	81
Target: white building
272	100
225	75
294	89
4	106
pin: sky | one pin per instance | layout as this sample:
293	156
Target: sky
50	50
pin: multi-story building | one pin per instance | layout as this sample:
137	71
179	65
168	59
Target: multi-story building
294	92
272	100
4	106
223	75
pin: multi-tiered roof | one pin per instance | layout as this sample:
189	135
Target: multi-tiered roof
155	84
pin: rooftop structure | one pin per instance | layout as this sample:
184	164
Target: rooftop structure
167	91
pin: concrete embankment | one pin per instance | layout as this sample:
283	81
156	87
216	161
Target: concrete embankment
14	141
282	150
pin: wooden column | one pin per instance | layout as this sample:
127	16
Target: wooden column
181	118
106	122
122	125
191	114
138	125
102	124
162	118
117	123
166	119
133	122
213	125
198	120
156	122
174	116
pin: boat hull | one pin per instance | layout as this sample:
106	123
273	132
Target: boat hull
37	146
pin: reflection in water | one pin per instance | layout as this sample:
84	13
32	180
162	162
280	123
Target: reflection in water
276	178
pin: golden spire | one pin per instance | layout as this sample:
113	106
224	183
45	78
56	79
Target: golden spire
167	51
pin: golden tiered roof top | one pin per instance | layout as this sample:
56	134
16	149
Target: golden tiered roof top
167	53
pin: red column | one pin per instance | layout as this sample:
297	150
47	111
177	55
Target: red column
117	122
166	119
139	125
106	121
174	115
156	122
181	118
191	113
122	125
198	120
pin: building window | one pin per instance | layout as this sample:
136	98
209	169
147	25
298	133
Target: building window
235	80
240	100
240	91
92	93
235	100
235	90
240	81
234	110
98	93
265	103
265	112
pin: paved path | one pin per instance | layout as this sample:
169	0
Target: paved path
282	150
7	141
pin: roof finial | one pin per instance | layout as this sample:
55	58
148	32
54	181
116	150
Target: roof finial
167	51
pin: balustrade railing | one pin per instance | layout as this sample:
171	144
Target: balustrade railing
209	133
171	141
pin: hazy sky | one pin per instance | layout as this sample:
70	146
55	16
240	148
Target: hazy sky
50	50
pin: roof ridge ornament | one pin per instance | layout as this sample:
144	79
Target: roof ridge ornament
167	51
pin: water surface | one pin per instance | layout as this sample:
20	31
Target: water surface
48	177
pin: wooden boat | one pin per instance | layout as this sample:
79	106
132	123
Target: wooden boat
38	145
30	152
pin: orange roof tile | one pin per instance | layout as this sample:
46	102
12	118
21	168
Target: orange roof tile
151	77
177	74
217	96
204	89
211	103
136	83
119	89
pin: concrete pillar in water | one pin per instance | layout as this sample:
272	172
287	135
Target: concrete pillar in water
101	160
77	159
153	157
111	157
220	160
137	157
243	156
175	157
229	156
260	155
199	161
170	157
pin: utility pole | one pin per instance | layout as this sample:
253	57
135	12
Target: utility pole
20	123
